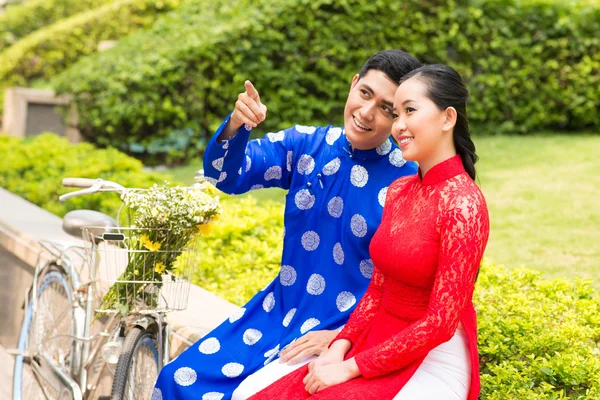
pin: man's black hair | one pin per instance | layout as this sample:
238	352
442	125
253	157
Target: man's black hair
394	63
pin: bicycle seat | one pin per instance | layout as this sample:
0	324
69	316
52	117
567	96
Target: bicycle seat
75	221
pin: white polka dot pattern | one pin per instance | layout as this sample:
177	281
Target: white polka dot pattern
310	240
213	396
248	163
185	376
304	199
306	164
332	135
287	275
335	207
273	173
366	268
382	195
222	177
332	167
309	130
210	180
210	346
232	370
256	187
396	158
288	317
359	176
269	302
237	314
384	148
315	285
218	164
338	254
345	301
309	324
358	225
156	394
251	336
276	137
271	354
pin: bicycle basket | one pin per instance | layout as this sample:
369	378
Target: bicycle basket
141	269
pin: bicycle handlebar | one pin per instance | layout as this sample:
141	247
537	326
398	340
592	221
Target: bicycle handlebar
90	186
79	182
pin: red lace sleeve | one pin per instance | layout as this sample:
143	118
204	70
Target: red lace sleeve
463	230
365	310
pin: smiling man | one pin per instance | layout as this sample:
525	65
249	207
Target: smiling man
337	179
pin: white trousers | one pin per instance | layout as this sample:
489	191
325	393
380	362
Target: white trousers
445	374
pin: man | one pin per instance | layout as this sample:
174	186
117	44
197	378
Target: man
337	180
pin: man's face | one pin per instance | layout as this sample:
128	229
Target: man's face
368	113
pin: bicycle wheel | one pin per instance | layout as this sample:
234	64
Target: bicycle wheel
43	329
137	368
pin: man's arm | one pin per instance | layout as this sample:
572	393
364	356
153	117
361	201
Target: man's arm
248	110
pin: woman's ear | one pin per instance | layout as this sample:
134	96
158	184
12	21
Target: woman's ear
449	119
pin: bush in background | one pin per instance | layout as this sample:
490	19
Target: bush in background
529	64
34	169
243	252
19	21
50	50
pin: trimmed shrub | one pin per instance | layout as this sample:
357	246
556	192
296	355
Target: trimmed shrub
529	65
52	49
538	339
243	251
17	22
34	169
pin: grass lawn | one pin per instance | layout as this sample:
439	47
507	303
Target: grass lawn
543	194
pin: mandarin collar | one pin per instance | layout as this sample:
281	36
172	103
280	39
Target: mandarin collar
380	151
443	171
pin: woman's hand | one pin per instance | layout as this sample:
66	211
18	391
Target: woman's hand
311	344
320	377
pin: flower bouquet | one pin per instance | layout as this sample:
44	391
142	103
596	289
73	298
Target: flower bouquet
165	223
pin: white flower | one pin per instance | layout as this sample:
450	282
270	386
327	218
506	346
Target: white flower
384	148
251	336
156	394
237	314
276	137
273	173
338	254
213	396
269	302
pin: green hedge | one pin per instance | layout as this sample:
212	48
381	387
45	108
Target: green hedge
17	22
34	169
538	339
52	49
529	65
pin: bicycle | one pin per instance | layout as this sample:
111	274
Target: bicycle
68	294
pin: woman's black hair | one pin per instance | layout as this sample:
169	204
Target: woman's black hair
446	89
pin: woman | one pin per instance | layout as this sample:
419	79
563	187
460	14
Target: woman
413	335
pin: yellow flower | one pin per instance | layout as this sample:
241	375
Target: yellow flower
205	229
149	244
160	267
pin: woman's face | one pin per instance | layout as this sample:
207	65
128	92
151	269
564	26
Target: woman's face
419	126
